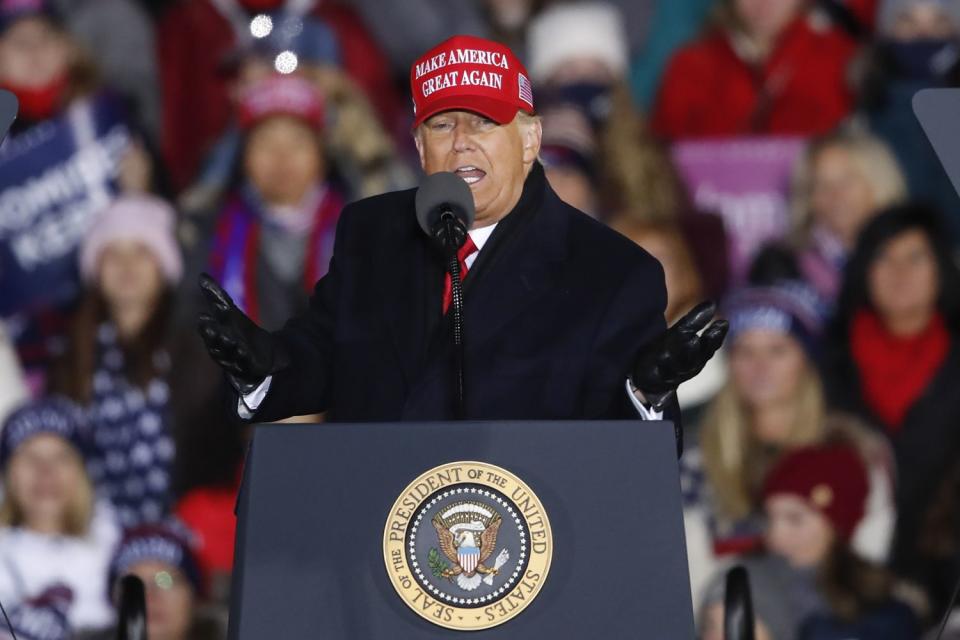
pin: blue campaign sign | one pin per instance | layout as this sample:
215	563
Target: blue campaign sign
937	110
54	177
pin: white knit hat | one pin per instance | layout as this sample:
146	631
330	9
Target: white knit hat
143	218
577	30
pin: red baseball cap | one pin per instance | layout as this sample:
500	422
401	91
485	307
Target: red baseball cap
472	74
281	95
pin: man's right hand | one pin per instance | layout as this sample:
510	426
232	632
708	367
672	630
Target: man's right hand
245	351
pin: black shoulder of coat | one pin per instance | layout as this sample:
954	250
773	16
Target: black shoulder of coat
380	209
603	248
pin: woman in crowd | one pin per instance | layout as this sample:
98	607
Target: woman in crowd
122	350
763	68
365	156
916	47
161	555
274	235
65	118
810	584
772	403
894	358
843	179
54	534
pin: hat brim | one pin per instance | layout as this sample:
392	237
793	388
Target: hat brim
499	111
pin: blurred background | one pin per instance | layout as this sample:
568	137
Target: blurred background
765	151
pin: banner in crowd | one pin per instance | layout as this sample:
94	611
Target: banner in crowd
747	182
53	178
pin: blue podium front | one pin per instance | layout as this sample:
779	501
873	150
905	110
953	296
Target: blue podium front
442	530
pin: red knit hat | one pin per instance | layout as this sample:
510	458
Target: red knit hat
831	479
473	74
281	95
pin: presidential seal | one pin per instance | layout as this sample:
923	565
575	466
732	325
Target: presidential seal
467	545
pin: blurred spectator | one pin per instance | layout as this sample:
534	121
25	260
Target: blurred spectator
842	181
578	56
917	47
119	35
361	151
52	530
406	29
568	153
894	359
195	36
765	67
508	21
773	403
68	153
161	555
117	362
672	25
812	585
274	236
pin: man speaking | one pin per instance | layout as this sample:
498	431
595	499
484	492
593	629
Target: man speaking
563	317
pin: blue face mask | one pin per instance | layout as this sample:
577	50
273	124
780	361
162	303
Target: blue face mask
929	60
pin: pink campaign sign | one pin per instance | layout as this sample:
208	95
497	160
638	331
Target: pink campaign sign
747	182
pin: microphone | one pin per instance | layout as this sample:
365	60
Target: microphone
8	111
132	618
445	212
738	606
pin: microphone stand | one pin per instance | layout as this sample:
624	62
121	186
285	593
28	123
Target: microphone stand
452	236
738	618
132	616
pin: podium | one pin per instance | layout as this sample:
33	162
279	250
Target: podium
471	529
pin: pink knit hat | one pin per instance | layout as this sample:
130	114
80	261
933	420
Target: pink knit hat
143	218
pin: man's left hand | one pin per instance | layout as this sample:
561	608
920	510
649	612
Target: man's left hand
678	354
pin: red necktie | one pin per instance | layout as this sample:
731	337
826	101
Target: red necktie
467	249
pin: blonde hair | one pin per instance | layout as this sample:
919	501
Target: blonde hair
735	461
79	511
869	154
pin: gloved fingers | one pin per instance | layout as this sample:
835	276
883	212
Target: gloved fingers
697	318
219	299
712	338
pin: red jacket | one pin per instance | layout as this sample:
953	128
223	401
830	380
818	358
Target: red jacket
801	89
193	38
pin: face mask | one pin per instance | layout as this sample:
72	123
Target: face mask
593	98
923	59
40	103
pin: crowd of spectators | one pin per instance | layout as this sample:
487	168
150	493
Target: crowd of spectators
764	151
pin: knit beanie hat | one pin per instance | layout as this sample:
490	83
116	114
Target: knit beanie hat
143	218
169	543
830	478
53	415
788	307
577	30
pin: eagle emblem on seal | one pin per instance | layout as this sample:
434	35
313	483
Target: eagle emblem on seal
467	536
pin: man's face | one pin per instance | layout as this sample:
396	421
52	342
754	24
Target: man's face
493	159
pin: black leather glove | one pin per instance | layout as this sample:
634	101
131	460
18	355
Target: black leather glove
678	354
245	351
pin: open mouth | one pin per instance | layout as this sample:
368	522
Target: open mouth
470	174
